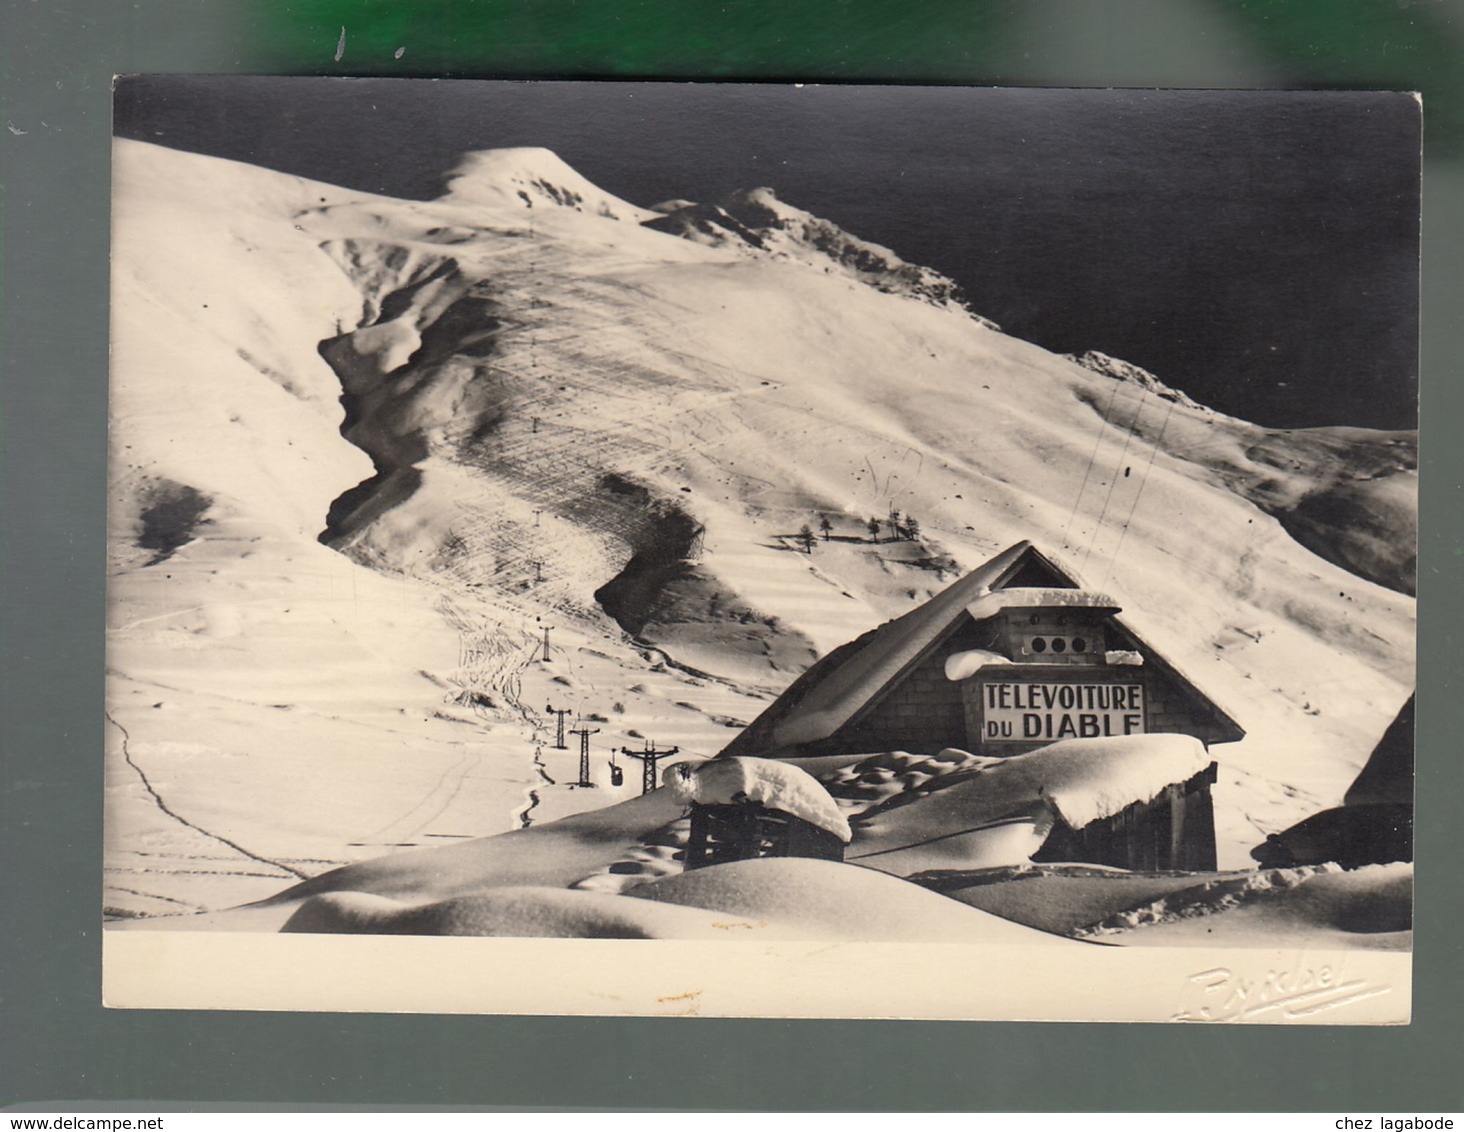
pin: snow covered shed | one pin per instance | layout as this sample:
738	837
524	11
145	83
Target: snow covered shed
744	808
1013	656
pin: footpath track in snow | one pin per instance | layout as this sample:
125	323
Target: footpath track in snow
493	663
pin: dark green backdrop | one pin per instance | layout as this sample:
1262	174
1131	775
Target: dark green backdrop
57	1044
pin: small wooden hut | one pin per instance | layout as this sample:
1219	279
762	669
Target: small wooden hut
743	808
1174	831
741	831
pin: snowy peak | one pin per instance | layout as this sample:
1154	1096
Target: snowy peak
1098	362
756	222
752	221
531	177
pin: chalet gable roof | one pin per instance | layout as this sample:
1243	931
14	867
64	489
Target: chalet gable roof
851	678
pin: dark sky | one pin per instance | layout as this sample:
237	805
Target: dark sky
1258	250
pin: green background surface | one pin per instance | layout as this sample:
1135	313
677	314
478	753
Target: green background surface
56	1042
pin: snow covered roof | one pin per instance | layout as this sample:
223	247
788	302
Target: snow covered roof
779	786
882	656
1038	597
1086	780
965	664
999	810
836	689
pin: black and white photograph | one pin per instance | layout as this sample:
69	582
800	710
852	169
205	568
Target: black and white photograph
892	526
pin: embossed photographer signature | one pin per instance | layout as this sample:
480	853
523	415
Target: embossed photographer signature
1219	994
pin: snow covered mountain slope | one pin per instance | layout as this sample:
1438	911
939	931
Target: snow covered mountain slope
1347	494
369	455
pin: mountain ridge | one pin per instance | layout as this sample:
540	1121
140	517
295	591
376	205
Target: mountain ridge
757	221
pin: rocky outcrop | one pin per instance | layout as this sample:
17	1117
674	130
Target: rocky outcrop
756	221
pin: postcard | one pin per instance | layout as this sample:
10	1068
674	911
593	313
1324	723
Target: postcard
762	550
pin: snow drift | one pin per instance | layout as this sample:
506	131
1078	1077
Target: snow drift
745	900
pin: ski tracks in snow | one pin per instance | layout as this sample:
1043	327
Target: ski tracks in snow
492	661
163	807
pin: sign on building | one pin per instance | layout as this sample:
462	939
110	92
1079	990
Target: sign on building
1024	711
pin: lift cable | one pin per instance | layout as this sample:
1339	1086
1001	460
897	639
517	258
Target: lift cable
1113	479
1097	442
1133	507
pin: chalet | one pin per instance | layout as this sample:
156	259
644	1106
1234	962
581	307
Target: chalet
1013	657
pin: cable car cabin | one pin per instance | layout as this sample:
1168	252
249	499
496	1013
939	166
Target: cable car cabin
742	831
